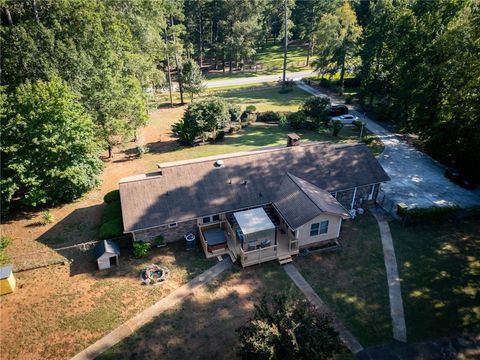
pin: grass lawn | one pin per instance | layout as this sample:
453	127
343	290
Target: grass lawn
203	326
269	61
353	280
440	270
264	97
57	311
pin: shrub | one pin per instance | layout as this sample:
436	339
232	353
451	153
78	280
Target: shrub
140	248
287	86
283	121
317	109
112	210
111	229
235	112
220	135
47	217
186	134
250	109
112	196
337	126
297	120
268	117
159	240
326	83
141	150
4	242
432	215
348	99
282	325
251	118
357	123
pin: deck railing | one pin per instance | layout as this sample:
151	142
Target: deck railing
258	256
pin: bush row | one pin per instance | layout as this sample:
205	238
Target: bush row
439	215
112	223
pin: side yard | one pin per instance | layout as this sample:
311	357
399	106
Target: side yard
57	311
203	327
439	267
353	281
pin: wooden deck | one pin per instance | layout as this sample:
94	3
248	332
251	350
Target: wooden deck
286	247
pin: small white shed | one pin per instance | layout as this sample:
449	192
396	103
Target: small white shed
107	253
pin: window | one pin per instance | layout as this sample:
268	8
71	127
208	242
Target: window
319	228
209	219
172	225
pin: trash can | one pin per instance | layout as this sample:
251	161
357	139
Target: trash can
190	241
402	209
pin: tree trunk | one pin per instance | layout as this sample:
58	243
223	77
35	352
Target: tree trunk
309	51
168	70
200	42
110	151
230	67
223	61
8	16
178	65
286	43
35	11
342	76
375	76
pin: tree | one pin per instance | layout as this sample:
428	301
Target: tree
49	153
338	37
284	328
192	79
202	118
317	110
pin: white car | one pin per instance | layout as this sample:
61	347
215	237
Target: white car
346	119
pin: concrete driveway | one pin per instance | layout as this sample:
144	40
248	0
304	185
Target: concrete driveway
417	179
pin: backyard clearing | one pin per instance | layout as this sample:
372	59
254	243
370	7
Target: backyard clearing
439	268
203	327
353	282
57	311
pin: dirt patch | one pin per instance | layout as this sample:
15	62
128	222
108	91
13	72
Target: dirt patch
57	315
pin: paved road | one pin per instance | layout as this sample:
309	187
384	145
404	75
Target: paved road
259	79
417	179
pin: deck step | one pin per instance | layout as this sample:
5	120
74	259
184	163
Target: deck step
285	261
284	256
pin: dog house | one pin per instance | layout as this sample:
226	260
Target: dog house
7	280
106	253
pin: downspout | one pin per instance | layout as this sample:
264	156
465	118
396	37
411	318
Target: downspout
353	198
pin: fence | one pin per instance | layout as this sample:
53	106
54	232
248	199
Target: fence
387	204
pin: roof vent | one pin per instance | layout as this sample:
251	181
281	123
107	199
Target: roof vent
218	163
244	182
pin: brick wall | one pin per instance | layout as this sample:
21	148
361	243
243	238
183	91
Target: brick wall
170	234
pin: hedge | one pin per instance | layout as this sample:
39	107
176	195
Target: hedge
112	211
112	196
432	215
111	229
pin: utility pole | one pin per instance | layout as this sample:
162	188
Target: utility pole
363	124
286	43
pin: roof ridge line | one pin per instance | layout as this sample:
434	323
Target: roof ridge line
309	198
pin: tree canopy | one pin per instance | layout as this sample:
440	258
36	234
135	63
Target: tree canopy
48	149
284	328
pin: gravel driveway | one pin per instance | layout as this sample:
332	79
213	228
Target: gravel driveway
417	179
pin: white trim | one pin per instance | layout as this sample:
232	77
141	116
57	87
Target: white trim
370	196
339	227
353	198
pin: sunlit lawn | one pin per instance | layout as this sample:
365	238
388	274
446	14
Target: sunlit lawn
353	280
440	271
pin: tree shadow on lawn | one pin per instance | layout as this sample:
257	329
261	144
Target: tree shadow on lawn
352	281
203	326
439	267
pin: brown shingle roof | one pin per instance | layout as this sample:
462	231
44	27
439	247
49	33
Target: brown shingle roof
299	202
186	190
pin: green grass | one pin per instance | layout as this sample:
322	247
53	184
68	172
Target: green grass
353	281
269	61
264	97
440	270
4	242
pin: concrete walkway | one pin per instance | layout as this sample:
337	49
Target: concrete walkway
416	179
348	339
394	290
147	315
